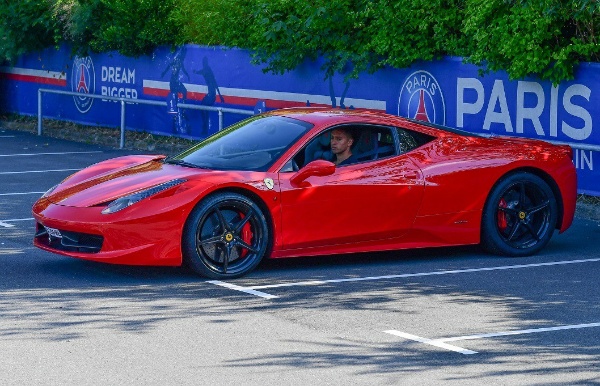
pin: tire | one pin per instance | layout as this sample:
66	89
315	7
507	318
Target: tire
519	217
225	236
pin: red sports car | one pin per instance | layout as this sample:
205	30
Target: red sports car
302	182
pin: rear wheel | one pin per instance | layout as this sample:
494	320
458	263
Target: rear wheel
519	217
226	236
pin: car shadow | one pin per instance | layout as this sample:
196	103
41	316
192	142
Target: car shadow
53	298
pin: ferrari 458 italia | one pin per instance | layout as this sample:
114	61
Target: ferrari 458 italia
268	187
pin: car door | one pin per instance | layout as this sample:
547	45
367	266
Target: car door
371	200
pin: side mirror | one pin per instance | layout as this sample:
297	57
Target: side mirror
318	168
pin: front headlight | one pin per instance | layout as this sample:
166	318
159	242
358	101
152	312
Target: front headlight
50	191
124	202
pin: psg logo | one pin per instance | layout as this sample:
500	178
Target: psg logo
83	80
421	98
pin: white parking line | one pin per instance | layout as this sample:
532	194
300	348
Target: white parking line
20	194
6	223
242	289
63	153
434	273
7	136
41	171
442	342
431	342
253	289
519	332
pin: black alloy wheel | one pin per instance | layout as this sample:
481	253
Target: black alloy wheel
226	236
519	217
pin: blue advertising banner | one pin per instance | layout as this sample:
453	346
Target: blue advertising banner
446	92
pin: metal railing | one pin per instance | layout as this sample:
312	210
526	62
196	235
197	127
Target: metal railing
580	146
125	101
220	110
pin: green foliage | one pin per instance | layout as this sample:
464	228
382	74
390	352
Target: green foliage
212	22
356	35
132	27
545	38
406	31
27	25
287	33
537	37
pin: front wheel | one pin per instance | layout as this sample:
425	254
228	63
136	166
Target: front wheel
225	236
519	216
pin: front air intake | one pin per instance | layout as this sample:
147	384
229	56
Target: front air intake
68	241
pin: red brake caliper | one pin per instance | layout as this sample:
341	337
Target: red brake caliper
246	235
502	220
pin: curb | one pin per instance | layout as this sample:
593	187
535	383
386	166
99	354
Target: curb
587	211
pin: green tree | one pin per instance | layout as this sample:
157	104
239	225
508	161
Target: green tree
406	31
213	22
287	33
546	38
132	27
28	25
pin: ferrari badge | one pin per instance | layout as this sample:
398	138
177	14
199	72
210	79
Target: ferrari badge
269	183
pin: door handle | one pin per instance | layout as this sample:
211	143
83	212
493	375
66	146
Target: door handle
412	176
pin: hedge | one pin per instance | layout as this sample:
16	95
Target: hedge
543	38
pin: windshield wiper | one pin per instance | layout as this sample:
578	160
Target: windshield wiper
181	162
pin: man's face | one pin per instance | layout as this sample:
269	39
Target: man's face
340	141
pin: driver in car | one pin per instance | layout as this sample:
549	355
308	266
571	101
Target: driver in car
341	146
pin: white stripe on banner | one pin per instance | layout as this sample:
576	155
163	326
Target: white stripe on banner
32	72
272	95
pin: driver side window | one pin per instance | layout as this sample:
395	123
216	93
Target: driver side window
370	142
318	148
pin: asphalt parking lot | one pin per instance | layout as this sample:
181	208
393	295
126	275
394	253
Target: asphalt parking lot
453	315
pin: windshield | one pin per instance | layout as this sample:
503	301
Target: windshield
253	144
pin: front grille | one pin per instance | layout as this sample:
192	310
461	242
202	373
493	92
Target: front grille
69	241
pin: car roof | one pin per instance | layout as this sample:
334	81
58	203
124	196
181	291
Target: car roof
325	116
317	115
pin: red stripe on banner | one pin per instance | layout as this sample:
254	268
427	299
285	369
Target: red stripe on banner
271	103
197	96
34	79
234	100
158	92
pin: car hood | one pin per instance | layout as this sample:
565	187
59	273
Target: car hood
108	180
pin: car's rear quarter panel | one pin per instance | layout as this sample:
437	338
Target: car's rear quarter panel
460	172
